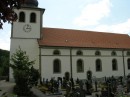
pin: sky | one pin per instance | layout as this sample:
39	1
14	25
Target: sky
111	16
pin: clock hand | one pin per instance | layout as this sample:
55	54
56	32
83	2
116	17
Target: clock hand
28	27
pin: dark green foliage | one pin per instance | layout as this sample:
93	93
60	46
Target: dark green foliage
24	74
6	10
4	63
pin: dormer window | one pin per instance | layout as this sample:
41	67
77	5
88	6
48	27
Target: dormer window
32	18
21	17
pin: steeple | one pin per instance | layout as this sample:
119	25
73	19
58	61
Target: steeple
29	3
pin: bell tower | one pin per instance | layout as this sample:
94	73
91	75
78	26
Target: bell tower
29	22
27	30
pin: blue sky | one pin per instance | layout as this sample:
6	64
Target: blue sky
99	15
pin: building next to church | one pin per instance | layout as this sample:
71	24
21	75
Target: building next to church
58	52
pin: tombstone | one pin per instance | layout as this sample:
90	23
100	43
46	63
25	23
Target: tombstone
60	79
82	91
128	85
121	79
56	86
89	75
52	86
46	83
68	89
43	81
72	83
113	84
95	85
64	83
77	81
88	87
67	76
108	87
81	84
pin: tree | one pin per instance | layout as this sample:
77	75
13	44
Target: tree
4	63
24	74
6	11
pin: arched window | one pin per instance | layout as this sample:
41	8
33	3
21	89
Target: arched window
128	63
97	53
113	53
80	66
79	52
56	52
57	66
21	17
98	65
114	65
32	17
128	53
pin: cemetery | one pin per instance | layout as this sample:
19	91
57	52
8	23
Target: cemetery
90	87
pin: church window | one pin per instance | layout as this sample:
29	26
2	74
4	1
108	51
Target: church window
113	53
79	52
97	53
114	65
128	53
98	65
128	63
57	66
80	66
32	17
56	52
21	17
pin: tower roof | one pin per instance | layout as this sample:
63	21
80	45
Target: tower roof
29	3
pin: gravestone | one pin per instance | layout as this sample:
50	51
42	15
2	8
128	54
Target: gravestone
67	76
64	83
77	81
88	87
128	84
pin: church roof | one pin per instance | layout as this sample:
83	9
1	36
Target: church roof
87	39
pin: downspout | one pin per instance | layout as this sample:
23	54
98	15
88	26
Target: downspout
40	64
71	72
123	63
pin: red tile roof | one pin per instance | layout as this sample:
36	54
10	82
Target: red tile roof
88	39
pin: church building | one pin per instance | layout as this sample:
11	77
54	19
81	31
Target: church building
59	52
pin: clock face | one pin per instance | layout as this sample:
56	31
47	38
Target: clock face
27	28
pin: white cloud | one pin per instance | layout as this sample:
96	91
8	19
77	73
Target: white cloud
123	27
93	13
5	40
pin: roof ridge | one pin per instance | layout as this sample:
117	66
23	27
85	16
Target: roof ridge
93	31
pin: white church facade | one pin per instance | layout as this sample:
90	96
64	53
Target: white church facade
59	51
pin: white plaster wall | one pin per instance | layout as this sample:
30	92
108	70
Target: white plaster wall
28	45
126	66
47	66
49	51
89	59
18	26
